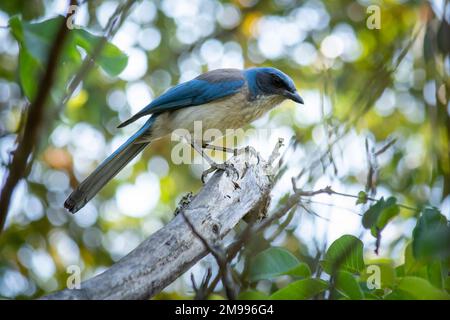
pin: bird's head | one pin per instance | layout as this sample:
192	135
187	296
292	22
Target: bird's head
271	81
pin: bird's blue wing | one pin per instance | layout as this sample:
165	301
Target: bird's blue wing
208	87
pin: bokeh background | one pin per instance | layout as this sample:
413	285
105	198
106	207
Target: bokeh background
359	85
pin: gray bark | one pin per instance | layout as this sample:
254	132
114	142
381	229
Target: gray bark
171	251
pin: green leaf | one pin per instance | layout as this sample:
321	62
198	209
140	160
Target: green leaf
301	270
362	198
37	37
35	41
346	254
400	271
443	41
431	236
447	284
111	59
271	263
29	71
399	295
300	290
16	28
370	296
437	273
348	286
253	295
379	214
421	289
413	267
382	268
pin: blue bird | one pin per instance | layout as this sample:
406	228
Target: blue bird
221	99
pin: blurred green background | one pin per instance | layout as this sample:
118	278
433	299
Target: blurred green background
360	86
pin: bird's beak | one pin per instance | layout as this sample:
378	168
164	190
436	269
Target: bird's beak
294	96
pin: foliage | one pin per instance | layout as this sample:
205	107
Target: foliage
431	235
353	278
35	40
274	262
346	253
379	214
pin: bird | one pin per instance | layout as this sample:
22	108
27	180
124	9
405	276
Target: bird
221	99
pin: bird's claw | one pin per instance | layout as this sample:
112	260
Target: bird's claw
183	203
227	167
249	150
253	152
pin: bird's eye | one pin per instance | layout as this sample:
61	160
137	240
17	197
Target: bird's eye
277	82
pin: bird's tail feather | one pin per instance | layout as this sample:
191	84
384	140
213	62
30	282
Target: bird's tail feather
106	171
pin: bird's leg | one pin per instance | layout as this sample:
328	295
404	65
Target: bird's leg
227	167
219	148
234	151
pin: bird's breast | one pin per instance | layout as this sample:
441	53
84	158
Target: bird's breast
232	112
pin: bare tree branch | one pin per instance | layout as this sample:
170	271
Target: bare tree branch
172	250
219	253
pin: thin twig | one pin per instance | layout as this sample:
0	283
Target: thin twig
331	205
201	292
276	151
348	125
113	24
386	147
372	170
292	201
282	226
34	123
330	191
221	258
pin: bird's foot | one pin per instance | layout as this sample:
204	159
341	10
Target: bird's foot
184	202
248	150
229	169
